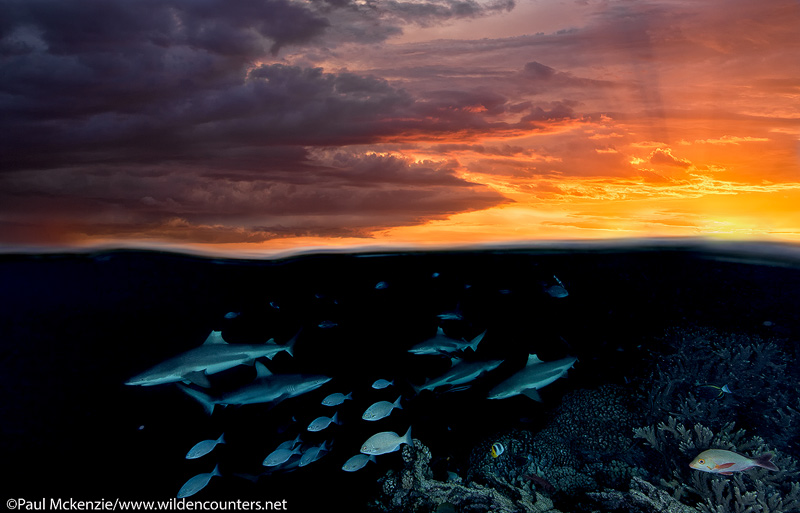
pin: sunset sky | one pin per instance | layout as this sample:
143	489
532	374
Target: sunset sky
267	125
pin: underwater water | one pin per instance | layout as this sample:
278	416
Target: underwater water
657	330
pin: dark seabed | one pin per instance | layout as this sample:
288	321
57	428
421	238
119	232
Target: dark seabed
651	326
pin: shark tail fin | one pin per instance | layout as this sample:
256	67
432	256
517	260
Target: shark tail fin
289	347
204	399
477	340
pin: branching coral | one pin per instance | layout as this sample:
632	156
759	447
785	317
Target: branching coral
755	491
760	375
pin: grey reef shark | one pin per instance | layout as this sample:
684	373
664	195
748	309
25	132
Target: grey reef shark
441	344
460	374
533	377
266	388
213	356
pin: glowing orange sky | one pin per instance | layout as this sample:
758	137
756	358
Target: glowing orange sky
560	120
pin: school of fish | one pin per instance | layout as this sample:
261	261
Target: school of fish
190	372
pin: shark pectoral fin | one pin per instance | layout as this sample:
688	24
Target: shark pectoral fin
458	388
262	371
204	399
198	378
533	394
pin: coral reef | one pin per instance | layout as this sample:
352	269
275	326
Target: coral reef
642	496
760	374
584	446
413	489
757	490
689	412
594	455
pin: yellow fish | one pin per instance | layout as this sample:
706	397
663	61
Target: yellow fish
718	461
497	449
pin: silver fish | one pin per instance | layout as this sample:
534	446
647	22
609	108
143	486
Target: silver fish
557	291
385	442
337	399
321	423
204	447
279	456
289	444
382	383
381	409
357	462
197	483
313	454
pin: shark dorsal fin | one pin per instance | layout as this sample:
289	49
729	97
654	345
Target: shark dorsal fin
533	359
454	361
440	332
262	371
215	338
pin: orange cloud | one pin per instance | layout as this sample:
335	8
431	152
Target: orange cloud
638	118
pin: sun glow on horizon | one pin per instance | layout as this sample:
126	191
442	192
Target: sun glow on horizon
405	125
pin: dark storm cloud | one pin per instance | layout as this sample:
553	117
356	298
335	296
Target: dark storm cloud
275	105
537	74
232	27
98	80
344	194
555	111
433	11
170	118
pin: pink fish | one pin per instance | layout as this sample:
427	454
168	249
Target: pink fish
718	461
